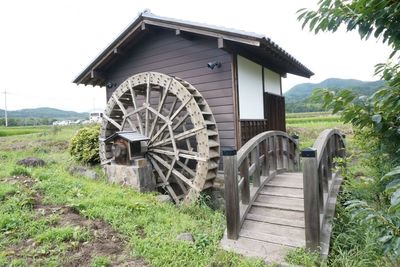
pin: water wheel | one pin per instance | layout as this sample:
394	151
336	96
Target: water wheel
183	146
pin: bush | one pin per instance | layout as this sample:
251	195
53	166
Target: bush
84	145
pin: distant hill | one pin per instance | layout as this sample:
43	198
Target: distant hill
51	113
297	98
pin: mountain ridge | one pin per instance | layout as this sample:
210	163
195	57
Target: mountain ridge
297	98
304	90
45	112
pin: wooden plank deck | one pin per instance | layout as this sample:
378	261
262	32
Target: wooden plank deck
275	221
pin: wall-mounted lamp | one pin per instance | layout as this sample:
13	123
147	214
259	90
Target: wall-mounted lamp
110	85
214	64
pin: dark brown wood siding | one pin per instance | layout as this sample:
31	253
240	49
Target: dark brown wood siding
274	111
186	58
274	118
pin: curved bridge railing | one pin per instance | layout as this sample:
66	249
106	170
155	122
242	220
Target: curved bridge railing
247	171
321	186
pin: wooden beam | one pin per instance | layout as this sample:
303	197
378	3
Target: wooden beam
311	198
95	74
235	94
118	51
143	26
220	43
232	209
244	40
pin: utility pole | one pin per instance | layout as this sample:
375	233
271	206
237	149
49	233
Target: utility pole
5	106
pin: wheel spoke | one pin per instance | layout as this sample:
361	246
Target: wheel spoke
181	153
160	106
178	137
125	112
174	171
135	107
171	118
113	122
180	121
189	146
148	89
173	141
164	179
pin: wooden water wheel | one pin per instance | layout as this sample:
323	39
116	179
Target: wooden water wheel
183	146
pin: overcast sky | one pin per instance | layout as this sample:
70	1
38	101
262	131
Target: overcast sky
45	44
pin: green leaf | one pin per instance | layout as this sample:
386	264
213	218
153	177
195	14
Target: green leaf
385	238
376	118
395	171
395	199
393	184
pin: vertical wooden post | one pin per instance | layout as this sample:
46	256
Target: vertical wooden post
296	153
329	159
274	146
266	159
280	152
231	194
255	157
245	190
287	149
311	198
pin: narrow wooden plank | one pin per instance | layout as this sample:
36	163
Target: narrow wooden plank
276	213
273	229
283	202
278	183
274	220
274	239
291	176
276	206
282	191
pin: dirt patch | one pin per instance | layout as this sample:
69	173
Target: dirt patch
43	146
104	241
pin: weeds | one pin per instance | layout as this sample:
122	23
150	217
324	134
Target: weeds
301	256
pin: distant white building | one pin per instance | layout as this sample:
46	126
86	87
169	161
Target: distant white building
95	117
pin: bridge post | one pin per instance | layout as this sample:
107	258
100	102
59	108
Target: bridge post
311	198
231	194
297	155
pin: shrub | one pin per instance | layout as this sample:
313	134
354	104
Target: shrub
84	145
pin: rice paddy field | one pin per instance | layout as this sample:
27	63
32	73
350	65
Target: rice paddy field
309	125
21	130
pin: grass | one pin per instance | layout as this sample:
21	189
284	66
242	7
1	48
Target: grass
309	125
21	130
149	227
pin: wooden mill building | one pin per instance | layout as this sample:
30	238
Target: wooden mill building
238	73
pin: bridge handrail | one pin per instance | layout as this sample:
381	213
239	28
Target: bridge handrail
321	187
279	153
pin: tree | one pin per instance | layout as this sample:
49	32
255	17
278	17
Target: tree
376	119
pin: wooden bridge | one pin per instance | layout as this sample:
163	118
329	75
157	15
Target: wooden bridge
271	206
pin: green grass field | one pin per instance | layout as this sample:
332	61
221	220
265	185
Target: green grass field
21	130
309	125
48	216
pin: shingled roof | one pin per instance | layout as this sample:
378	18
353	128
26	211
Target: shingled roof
251	42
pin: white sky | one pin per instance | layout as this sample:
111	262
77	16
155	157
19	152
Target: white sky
45	43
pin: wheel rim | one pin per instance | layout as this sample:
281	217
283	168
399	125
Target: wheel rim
184	144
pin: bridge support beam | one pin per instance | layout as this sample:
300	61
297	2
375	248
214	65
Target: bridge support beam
311	198
232	210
